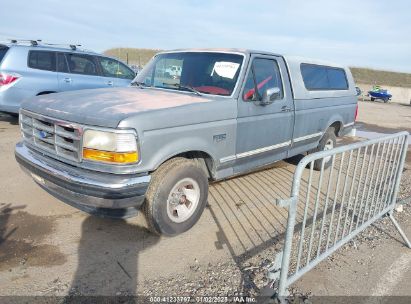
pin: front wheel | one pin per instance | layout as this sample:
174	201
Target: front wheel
176	197
327	142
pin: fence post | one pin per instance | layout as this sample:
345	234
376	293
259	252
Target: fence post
396	189
282	288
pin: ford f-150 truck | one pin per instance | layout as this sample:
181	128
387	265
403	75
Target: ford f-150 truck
157	144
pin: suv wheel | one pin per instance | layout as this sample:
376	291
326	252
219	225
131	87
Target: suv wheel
327	142
176	197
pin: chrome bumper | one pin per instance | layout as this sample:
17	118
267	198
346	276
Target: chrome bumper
98	193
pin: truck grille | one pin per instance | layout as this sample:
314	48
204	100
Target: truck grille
56	137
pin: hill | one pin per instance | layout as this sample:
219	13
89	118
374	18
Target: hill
361	75
385	78
135	56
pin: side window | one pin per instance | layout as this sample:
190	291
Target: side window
3	51
114	68
81	64
125	72
42	60
264	74
319	77
62	63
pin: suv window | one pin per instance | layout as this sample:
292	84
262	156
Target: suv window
62	63
42	60
3	51
320	77
81	64
263	74
114	68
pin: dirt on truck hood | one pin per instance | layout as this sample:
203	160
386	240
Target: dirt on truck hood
107	107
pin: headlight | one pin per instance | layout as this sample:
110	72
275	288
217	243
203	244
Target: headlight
111	147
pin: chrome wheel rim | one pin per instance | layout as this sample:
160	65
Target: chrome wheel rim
183	200
328	146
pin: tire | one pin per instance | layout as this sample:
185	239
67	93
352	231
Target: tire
372	98
165	199
386	100
327	142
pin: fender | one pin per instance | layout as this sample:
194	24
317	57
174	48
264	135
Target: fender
177	147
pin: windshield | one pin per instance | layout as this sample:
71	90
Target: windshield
201	72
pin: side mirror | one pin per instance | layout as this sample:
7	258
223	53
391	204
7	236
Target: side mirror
270	95
358	91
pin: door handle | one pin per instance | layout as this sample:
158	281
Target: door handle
67	79
285	109
110	83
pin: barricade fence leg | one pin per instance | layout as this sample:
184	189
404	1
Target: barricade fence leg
402	233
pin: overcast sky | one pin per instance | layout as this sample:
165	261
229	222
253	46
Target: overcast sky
365	33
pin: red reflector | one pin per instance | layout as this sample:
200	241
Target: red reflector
6	79
356	112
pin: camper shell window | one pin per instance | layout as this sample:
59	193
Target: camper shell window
323	78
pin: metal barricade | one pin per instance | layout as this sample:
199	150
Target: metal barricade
330	207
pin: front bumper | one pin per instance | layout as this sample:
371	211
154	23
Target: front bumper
97	193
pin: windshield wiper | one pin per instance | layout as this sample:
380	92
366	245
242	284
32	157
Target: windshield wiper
186	87
139	84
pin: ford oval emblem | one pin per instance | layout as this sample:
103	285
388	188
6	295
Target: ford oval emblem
44	134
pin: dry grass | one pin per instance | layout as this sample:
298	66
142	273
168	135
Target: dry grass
386	78
135	56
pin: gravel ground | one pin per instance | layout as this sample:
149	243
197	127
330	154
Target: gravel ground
249	278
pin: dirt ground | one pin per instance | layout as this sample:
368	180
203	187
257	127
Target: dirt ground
49	248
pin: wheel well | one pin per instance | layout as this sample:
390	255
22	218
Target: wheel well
45	92
337	127
206	161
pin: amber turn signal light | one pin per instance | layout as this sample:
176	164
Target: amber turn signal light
110	157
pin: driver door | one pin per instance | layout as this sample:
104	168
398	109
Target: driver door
264	132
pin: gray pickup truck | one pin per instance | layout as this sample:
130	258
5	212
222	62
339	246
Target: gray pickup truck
157	144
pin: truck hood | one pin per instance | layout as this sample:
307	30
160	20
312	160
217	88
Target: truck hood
107	107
